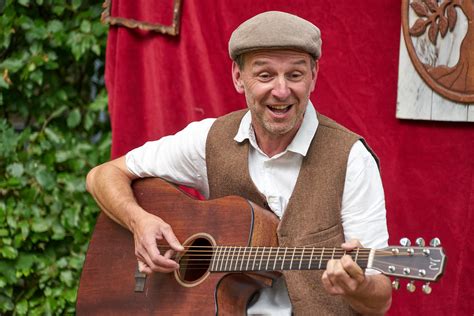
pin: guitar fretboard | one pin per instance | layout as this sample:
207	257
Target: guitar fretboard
234	259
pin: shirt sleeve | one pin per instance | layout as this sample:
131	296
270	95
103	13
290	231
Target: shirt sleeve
363	203
179	158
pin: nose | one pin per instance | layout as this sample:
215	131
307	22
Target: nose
280	90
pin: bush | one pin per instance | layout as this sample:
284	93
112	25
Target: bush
53	129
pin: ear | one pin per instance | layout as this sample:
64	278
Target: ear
314	75
237	78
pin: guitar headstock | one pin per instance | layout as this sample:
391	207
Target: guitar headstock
415	263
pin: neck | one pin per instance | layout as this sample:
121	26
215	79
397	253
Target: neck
281	258
272	144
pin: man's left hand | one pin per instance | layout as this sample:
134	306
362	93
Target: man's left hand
343	276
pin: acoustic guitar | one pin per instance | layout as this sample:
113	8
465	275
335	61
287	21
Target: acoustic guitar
231	251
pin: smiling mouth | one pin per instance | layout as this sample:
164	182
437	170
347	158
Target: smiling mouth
280	108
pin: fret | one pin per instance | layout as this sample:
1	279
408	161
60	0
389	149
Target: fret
310	258
284	258
321	258
222	258
237	259
228	255
268	258
248	259
276	258
261	258
213	258
254	259
301	259
216	259
333	251
357	255
232	258
292	256
243	257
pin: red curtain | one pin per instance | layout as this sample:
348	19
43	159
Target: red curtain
157	84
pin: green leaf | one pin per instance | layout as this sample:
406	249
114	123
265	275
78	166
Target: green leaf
85	26
96	49
25	262
60	110
16	169
58	231
55	26
89	120
45	179
22	307
8	252
66	277
24	229
52	135
7	272
3	83
25	3
76	4
8	139
13	64
74	118
40	225
6	304
62	156
71	295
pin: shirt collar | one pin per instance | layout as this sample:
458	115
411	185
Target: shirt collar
300	144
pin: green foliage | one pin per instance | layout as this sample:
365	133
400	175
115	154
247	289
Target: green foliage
53	129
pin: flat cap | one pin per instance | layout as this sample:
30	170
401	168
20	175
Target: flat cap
275	30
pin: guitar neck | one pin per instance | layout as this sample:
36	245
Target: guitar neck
235	259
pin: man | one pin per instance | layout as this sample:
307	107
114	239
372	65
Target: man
318	177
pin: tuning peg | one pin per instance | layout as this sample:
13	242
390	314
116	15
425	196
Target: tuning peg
396	284
420	242
435	242
411	287
426	288
405	242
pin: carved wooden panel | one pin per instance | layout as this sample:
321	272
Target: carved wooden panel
436	67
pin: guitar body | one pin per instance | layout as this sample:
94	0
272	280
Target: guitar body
108	279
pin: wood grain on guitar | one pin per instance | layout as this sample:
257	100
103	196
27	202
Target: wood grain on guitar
231	251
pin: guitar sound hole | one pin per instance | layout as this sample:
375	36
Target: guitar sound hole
194	263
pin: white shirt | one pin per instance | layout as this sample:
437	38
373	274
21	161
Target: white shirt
181	158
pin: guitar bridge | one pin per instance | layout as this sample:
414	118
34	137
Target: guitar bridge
140	279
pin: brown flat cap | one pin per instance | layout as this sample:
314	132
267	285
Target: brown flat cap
275	30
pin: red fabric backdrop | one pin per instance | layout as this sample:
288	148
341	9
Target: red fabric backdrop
157	84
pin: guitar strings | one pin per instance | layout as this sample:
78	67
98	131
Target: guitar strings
298	251
228	258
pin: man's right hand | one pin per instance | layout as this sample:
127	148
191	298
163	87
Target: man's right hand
110	185
147	229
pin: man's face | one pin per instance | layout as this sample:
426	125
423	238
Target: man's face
277	85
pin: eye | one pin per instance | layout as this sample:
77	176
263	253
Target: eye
264	76
296	75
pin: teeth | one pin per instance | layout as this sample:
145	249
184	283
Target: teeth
279	107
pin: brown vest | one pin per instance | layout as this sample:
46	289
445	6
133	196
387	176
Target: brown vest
312	217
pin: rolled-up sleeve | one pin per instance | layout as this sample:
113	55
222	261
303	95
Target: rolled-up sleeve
179	158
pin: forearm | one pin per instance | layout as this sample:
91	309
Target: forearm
110	187
374	296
